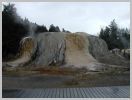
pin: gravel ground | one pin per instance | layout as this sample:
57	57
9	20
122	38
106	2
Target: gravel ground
51	81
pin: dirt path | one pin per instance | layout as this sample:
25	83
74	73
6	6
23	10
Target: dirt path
37	81
54	81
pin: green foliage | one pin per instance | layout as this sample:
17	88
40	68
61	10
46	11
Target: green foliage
63	30
12	30
115	37
71	82
54	29
40	29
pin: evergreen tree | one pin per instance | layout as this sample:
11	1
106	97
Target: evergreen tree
12	31
54	29
115	37
63	30
40	29
57	29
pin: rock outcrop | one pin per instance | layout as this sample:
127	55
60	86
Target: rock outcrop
61	49
50	49
97	47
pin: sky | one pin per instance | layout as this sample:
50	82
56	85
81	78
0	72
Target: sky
87	17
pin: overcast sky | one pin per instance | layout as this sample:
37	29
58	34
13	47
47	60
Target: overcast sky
76	16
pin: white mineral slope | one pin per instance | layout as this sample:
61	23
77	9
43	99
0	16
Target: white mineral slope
77	52
61	49
50	49
28	46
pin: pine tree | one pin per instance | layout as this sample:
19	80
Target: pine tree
12	31
115	37
40	29
52	28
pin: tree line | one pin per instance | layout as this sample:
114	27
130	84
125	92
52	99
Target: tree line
115	37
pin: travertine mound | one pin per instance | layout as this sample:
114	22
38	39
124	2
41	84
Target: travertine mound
61	49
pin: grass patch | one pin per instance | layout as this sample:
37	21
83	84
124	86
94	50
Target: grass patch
71	82
56	70
18	72
86	77
50	70
114	71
